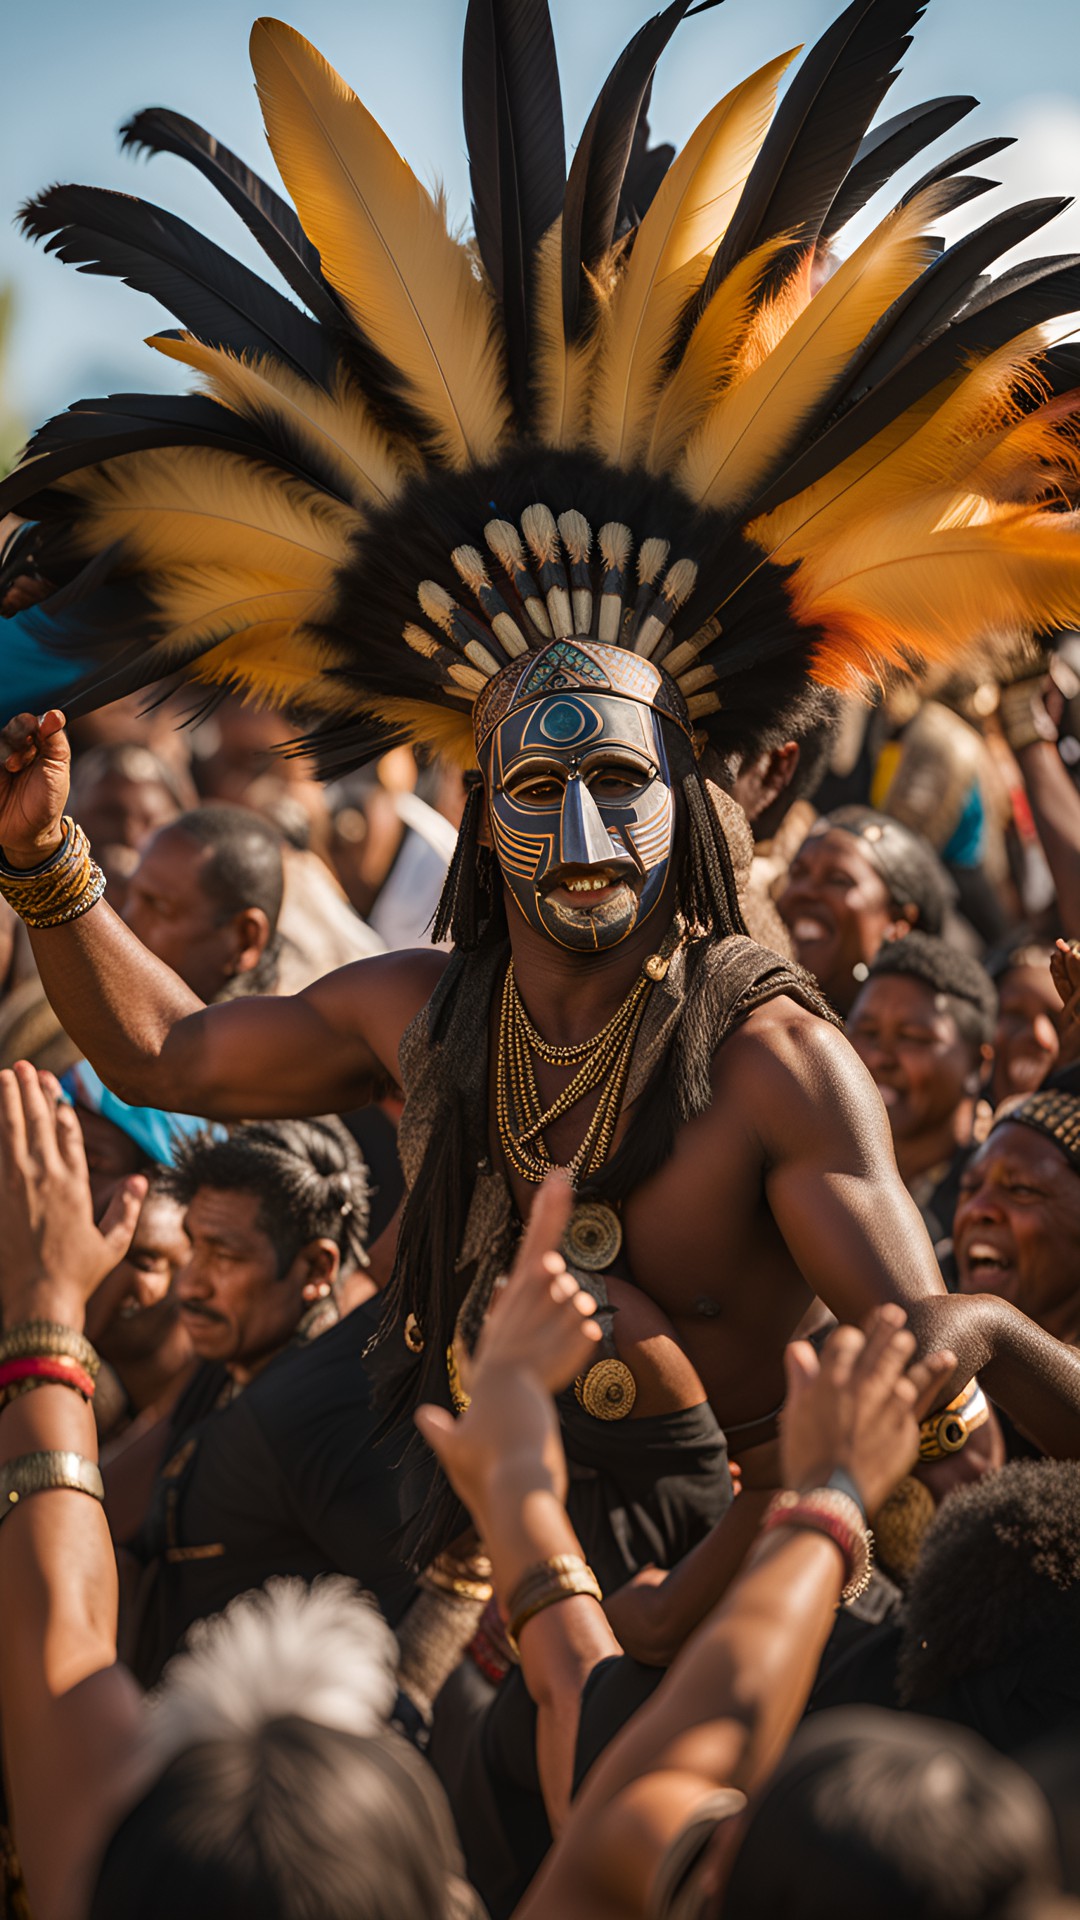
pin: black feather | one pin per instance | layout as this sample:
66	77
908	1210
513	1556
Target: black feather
212	295
936	296
96	430
517	155
1049	288
888	148
972	156
271	219
816	133
645	171
595	186
1062	368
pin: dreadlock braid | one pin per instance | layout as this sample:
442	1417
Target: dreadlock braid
708	892
469	894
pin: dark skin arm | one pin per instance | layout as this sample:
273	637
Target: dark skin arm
854	1231
152	1040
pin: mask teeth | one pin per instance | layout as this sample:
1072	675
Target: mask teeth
679	583
577	539
467	633
538	526
687	651
616	541
422	642
505	542
470	565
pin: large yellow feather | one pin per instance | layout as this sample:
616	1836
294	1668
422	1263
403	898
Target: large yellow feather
182	506
562	372
202	605
759	418
440	728
947	437
336	427
671	252
890	588
275	664
384	245
713	352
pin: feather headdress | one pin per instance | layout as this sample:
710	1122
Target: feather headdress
648	404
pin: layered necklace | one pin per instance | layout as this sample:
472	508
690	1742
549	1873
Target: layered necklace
602	1062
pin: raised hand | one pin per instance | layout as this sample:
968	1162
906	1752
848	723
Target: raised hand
1065	974
858	1407
35	770
537	1336
540	1318
54	1255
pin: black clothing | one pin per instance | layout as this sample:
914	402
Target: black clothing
286	1479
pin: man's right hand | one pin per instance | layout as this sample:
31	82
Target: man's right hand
35	770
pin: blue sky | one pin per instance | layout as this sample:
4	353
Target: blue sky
76	68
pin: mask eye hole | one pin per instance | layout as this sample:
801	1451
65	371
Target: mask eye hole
535	790
618	779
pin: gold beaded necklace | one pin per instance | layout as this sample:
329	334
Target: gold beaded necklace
603	1062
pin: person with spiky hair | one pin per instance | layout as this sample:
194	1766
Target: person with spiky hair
571	505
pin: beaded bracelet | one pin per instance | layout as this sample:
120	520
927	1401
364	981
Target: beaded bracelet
836	1515
42	1370
62	888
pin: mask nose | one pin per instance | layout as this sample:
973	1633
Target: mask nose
584	841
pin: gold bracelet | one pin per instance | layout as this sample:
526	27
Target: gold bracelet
38	1339
65	886
561	1577
42	1472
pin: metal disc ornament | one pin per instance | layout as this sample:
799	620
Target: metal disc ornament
593	1236
607	1391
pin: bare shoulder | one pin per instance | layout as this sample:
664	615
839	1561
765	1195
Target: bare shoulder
790	1071
378	997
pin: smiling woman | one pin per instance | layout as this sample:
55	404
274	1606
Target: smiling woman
858	880
1017	1226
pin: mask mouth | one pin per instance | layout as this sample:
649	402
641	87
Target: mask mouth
579	886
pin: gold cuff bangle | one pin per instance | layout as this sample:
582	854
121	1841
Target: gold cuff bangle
37	1339
561	1577
43	1472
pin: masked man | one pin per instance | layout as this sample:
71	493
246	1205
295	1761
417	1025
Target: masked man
644	476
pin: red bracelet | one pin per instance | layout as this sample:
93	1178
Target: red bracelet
835	1515
45	1369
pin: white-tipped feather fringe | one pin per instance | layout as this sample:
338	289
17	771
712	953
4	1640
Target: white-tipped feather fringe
322	1653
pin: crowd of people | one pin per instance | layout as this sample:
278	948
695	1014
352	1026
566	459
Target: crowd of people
375	1724
540	1029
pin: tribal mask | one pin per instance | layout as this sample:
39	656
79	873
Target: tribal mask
582	814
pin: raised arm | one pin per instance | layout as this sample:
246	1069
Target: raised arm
71	1715
856	1234
151	1039
504	1458
726	1710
